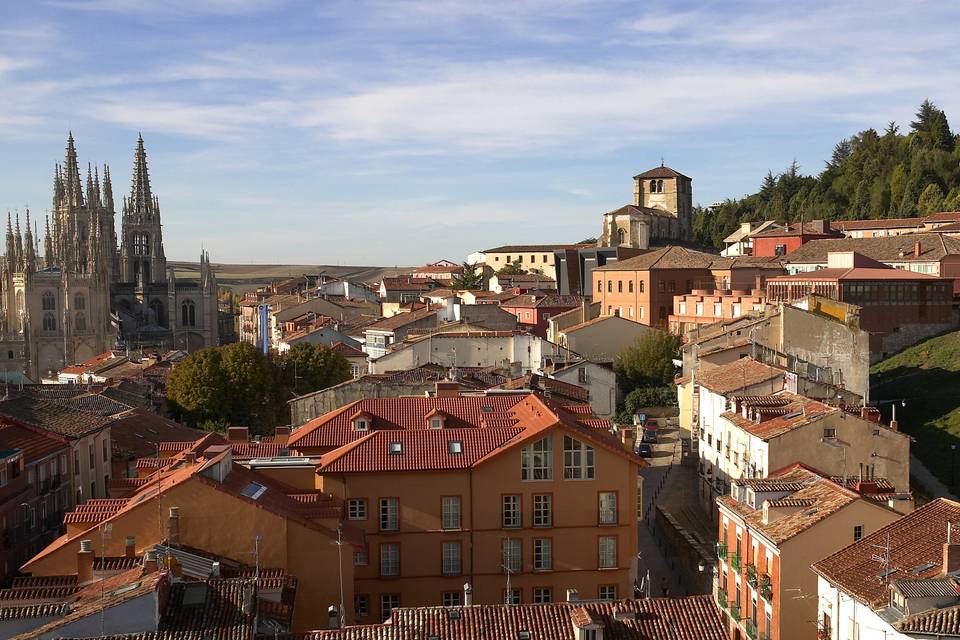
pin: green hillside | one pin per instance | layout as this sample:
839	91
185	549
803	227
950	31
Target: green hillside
893	174
927	377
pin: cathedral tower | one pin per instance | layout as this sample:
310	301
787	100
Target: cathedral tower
142	260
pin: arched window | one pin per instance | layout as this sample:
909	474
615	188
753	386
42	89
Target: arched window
640	284
599	286
49	322
49	302
609	286
619	286
630	286
659	186
80	323
10	354
141	244
653	186
188	314
621	236
79	302
157	307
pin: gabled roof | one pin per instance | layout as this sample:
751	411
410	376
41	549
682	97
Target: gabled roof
401	319
881	223
52	416
933	247
671	257
915	544
135	434
35	444
661	172
346	350
795	412
943	216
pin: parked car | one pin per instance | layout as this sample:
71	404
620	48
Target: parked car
649	436
651	423
644	450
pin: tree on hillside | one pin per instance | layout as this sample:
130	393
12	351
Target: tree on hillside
471	278
648	362
512	269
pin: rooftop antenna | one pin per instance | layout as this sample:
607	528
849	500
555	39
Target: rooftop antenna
340	542
884	559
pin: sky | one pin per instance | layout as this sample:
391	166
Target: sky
390	132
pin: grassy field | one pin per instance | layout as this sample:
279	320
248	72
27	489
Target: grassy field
927	377
243	277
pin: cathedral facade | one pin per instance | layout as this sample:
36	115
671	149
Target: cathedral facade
85	294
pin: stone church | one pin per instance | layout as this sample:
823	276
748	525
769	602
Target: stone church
85	295
661	213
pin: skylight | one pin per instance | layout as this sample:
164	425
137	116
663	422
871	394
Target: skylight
454	447
253	490
396	448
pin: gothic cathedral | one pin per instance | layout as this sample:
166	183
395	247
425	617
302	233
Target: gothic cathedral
85	296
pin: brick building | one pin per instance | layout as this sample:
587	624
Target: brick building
702	307
782	240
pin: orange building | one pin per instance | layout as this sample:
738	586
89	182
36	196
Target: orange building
642	289
701	307
516	496
771	530
201	499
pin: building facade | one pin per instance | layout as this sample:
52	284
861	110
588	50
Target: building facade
661	212
86	294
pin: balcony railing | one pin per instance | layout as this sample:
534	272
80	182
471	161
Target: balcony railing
721	551
766	587
735	611
752	575
722	598
735	561
823	634
751	628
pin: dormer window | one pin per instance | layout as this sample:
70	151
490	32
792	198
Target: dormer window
395	448
362	421
436	423
436	419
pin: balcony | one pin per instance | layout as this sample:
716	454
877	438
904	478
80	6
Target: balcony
751	629
721	551
735	561
823	634
752	575
735	611
44	487
55	481
766	587
722	598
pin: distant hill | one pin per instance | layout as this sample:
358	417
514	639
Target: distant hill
927	377
869	175
243	277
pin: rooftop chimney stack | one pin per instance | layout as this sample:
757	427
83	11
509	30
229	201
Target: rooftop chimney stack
149	561
916	249
951	557
467	594
85	562
238	434
130	547
333	617
573	595
282	435
447	389
173	527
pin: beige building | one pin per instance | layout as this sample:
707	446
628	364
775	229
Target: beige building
531	257
661	212
561	321
603	338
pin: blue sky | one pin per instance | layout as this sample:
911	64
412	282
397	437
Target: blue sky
392	133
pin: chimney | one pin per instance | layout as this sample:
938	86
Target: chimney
130	547
627	438
238	434
951	555
447	389
190	456
282	435
150	561
333	617
467	594
215	569
867	487
895	425
173	527
864	412
85	562
573	595
247	598
916	249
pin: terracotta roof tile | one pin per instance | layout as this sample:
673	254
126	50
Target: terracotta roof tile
777	420
933	247
661	172
882	223
740	374
934	622
401	320
65	421
916	551
35	444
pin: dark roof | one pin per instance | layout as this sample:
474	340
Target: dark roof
401	320
671	257
66	421
136	434
933	247
661	172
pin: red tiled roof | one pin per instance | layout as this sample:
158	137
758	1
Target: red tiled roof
740	374
335	429
915	552
856	273
688	618
401	319
943	216
882	223
797	411
35	444
346	350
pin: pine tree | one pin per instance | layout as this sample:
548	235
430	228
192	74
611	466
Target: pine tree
931	200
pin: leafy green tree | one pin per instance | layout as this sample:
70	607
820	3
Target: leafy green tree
588	241
648	362
471	278
197	387
512	269
249	381
311	367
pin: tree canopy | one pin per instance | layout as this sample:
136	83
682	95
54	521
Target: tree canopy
237	385
471	278
648	362
869	175
512	269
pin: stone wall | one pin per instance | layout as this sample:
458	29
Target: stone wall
310	406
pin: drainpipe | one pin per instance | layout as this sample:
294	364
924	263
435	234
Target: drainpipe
470	475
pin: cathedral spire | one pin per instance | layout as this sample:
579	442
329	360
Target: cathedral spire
11	245
91	194
18	239
30	252
141	200
107	189
48	245
73	186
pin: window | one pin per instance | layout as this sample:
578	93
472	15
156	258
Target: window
857	532
49	322
390	559
699	308
829	433
542	554
780	250
608	552
156	308
361	605
436	423
188	314
682	308
106	455
599	286
357	509
455	447
451	558
717	310
608	507
542	595
451	598
389	516
512	559
388	602
736	310
619	286
450	512
609	286
621	236
93	457
361	558
79	302
629	286
853	629
607	592
93	489
512	596
577	460
653	186
543	510
395	448
49	303
361	424
582	375
511	511
536	461
76	461
640	284
80	323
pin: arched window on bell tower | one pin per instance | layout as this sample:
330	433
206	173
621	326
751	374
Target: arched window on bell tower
621	237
